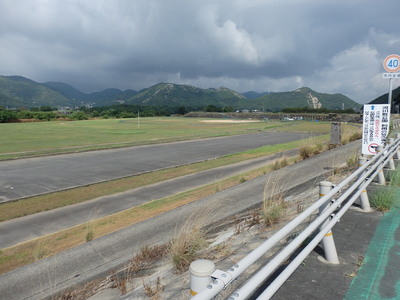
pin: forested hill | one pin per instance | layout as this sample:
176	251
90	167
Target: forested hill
165	94
17	92
384	98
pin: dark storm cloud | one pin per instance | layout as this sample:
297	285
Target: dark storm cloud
243	44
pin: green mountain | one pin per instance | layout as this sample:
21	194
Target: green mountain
304	97
384	98
18	91
169	94
106	97
66	90
253	95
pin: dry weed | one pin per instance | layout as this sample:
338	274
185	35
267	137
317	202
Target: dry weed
274	205
280	163
153	291
310	147
146	257
190	239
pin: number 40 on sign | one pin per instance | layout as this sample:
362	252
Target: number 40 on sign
392	63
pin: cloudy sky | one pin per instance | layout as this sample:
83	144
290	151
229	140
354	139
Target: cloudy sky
332	46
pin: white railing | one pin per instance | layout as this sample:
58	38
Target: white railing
331	210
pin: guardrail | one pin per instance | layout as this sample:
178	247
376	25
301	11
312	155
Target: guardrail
331	209
395	123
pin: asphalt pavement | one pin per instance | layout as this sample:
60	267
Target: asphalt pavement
29	227
34	176
98	257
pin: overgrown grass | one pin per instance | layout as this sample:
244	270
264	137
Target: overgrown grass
146	257
350	133
274	206
189	240
352	161
383	198
311	147
394	178
280	163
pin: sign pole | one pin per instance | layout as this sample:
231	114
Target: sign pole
390	91
392	65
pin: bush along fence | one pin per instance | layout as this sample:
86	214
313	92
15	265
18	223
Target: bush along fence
207	282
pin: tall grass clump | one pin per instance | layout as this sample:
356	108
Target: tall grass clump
190	240
383	198
310	147
350	134
274	206
280	163
394	178
352	161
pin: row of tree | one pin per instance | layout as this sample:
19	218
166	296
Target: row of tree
126	111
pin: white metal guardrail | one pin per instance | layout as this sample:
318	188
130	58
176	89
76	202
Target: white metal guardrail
331	210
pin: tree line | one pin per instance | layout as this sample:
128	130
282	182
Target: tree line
47	113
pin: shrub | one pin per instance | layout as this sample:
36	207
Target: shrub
307	151
383	198
394	178
280	163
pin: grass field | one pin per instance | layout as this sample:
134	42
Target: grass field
53	137
41	138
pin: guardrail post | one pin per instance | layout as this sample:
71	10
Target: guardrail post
391	161
381	175
327	242
200	275
364	196
398	149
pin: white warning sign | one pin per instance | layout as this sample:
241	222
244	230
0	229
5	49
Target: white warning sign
376	120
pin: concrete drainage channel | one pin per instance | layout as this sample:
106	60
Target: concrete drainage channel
100	257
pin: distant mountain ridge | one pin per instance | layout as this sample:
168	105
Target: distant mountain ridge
105	97
18	91
385	98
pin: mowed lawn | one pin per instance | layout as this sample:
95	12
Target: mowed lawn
106	133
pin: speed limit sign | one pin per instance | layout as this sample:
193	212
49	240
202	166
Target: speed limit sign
392	63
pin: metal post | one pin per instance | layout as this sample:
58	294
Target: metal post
398	149
327	242
390	92
364	196
391	164
381	175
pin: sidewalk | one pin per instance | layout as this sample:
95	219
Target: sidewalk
379	276
368	246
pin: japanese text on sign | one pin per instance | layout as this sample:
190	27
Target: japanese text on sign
375	127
